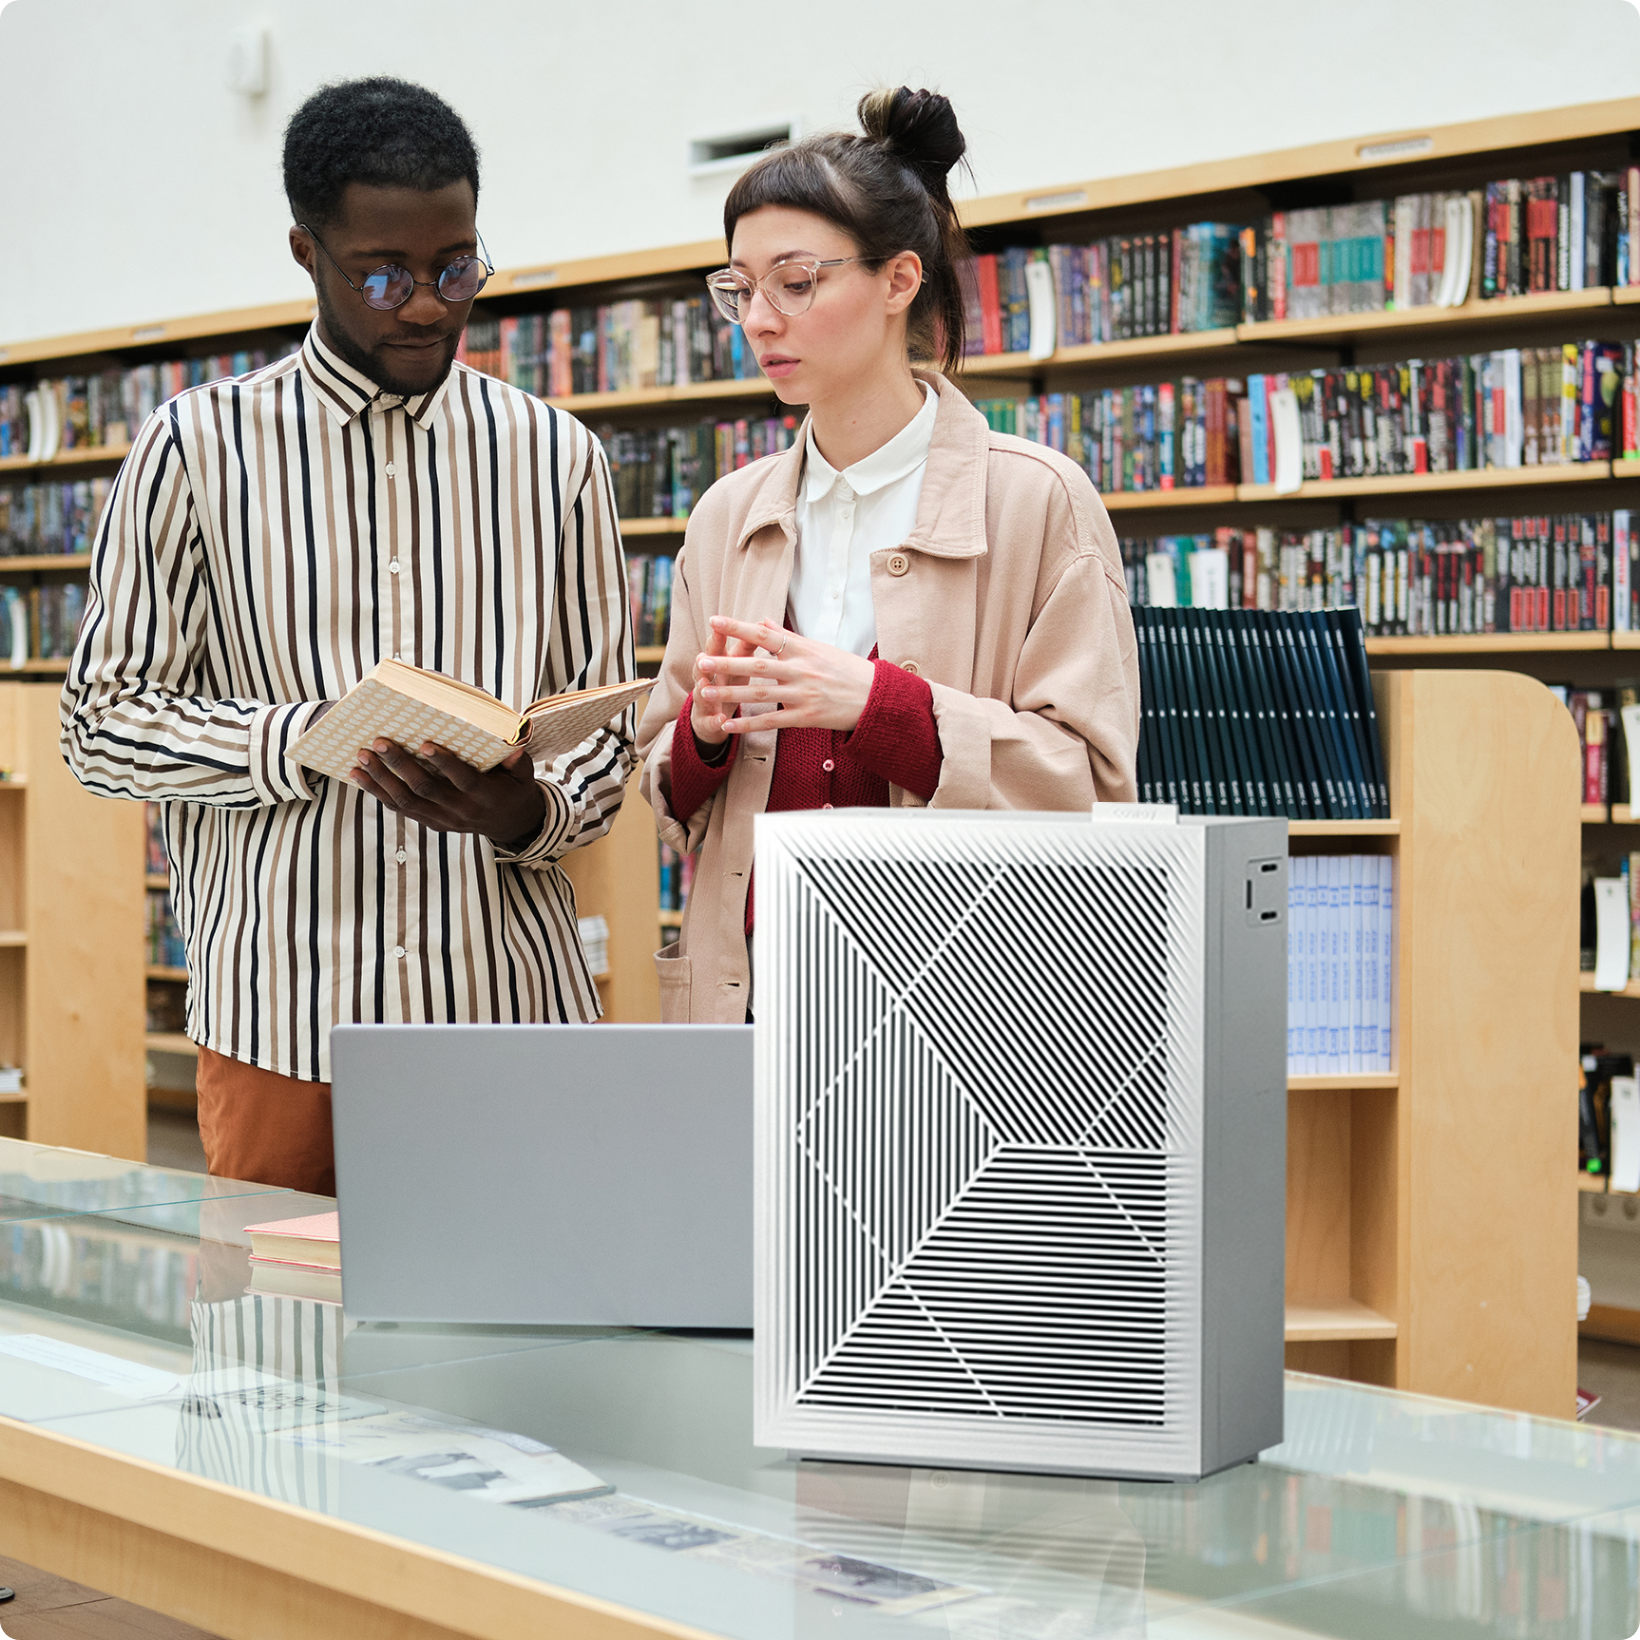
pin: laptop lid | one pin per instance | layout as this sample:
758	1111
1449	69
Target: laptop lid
589	1175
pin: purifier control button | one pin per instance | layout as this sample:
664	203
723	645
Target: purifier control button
898	564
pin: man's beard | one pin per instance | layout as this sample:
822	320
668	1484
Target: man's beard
339	338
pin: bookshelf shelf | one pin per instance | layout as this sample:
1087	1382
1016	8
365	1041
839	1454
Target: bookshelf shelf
170	1042
53	668
156	879
68	458
1625	640
178	974
1490	643
1626	469
1625	295
652	526
13	939
29	564
650	654
671	919
1591	1183
1003	364
1336	1319
1343	828
1206	495
1622	814
1382	1080
1596	814
1482	478
1586	984
644	398
191	328
1344	327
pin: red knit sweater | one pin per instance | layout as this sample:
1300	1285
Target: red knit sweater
896	742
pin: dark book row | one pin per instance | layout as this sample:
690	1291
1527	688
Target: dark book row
1258	713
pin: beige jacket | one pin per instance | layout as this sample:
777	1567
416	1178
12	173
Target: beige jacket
1007	597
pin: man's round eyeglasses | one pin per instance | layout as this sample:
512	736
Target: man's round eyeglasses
391	286
788	287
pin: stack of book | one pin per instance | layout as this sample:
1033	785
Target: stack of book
649	585
106	408
1247	712
1569	572
298	1258
161	934
662	472
51	518
1340	964
616	348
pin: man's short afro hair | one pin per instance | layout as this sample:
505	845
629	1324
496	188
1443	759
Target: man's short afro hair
383	132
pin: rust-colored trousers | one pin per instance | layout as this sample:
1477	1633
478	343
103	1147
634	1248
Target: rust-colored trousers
263	1127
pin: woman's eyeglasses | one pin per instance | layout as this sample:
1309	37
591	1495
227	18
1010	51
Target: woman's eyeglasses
788	287
391	286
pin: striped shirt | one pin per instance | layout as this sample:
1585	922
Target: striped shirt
269	540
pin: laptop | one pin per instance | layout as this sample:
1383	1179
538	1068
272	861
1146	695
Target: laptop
575	1175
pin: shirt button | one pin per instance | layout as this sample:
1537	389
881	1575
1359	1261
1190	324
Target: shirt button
898	564
401	856
392	566
392	471
398	657
911	667
828	765
398	950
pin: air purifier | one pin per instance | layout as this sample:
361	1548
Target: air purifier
1020	1140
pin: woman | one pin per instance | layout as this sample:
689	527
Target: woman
903	608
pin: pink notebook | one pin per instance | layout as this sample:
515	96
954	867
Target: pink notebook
315	1239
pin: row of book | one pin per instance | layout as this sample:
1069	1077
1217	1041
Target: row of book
41	623
1599	1070
677	877
106	408
662	472
51	518
1514	237
1605	719
649	586
1570	572
1340	964
1517	407
616	348
1258	713
99	1271
162	938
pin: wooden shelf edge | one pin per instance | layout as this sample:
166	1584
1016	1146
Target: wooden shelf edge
650	654
1611	1321
1586	984
1343	326
671	919
652	526
152	972
13	939
1482	643
1210	495
1476	478
641	398
1595	814
170	1042
1343	828
1622	814
1369	1080
1335	1319
27	564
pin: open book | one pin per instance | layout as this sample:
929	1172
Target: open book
402	703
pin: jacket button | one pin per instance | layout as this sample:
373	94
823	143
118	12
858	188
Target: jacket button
898	564
911	667
828	765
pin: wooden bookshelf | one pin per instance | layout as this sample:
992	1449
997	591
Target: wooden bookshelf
71	940
1595	814
1344	829
1491	643
1586	984
86	457
1399	1272
31	563
1481	478
647	398
652	526
1208	495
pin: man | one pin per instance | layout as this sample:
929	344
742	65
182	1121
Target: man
269	540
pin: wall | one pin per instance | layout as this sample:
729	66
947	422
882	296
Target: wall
138	187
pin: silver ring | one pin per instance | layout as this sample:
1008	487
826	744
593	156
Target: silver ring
782	649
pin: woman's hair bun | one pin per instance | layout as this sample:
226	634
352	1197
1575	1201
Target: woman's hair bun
920	127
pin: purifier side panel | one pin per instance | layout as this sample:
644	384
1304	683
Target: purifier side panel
1245	1150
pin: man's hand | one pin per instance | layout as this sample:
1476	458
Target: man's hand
504	805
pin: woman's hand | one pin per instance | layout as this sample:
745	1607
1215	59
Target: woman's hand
706	718
811	685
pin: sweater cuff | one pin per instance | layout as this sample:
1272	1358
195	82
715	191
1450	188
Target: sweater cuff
897	737
275	777
695	782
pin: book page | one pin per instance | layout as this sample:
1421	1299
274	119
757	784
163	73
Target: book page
370	710
560	725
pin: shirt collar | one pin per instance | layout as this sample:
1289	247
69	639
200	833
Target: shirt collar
348	392
903	454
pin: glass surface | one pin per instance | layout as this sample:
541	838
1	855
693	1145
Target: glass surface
1380	1514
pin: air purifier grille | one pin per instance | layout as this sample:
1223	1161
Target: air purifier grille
979	1117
